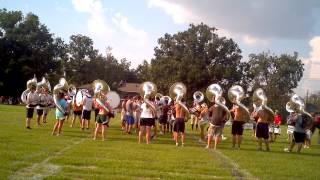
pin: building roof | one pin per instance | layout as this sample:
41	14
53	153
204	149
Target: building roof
129	87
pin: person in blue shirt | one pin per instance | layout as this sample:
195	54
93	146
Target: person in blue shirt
60	116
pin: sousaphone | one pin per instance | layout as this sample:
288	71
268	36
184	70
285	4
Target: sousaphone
235	95
214	93
177	92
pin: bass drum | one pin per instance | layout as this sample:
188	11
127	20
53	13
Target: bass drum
79	96
113	99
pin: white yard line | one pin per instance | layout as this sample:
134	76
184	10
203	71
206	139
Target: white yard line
230	165
43	169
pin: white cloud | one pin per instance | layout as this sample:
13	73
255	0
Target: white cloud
179	14
254	41
262	19
110	28
311	77
137	35
96	23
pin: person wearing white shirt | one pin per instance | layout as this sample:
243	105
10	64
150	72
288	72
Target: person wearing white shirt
32	99
147	119
86	110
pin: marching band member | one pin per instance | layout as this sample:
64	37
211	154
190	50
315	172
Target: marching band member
123	113
129	115
147	119
262	130
48	104
60	116
32	100
217	115
163	120
299	133
137	111
291	121
204	118
179	125
237	125
102	118
276	126
77	112
194	116
41	104
86	109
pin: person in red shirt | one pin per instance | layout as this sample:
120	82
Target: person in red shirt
276	129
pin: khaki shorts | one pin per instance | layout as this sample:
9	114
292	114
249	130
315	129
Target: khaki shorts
215	131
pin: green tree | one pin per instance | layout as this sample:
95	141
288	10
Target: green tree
26	49
197	57
81	52
277	75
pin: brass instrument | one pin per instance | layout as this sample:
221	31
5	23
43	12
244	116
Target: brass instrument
260	100
198	96
177	92
164	98
296	104
148	90
100	90
61	87
235	95
31	84
214	93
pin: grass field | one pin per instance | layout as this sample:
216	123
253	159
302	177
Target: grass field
35	154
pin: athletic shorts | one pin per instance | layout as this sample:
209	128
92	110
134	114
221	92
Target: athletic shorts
39	112
179	125
163	119
215	131
298	137
237	128
129	119
30	112
147	122
102	119
290	129
78	113
86	114
262	130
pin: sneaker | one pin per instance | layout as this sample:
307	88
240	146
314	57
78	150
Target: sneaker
207	147
177	144
182	145
200	141
28	127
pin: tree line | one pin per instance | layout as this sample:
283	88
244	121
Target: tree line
197	57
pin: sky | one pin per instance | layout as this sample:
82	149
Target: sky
132	28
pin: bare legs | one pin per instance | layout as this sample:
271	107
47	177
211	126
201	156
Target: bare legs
57	127
103	129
